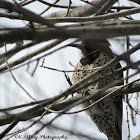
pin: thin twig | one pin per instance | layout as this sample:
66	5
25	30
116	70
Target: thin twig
49	7
25	2
128	123
37	62
91	3
122	7
70	70
68	79
13	124
54	4
27	14
70	2
24	129
28	94
22	105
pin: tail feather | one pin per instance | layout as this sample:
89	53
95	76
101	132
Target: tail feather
117	135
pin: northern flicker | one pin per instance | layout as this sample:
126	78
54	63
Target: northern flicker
107	114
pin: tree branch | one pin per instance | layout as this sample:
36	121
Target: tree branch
135	1
100	17
98	29
28	15
34	53
96	94
106	7
86	10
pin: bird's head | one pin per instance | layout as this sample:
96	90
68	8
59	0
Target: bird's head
90	45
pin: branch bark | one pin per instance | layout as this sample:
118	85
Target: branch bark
98	29
106	7
100	17
86	10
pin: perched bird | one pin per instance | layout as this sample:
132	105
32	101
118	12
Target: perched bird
107	114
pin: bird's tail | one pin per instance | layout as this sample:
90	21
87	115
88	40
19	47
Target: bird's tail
117	135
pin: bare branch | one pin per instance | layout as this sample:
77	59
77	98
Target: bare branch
98	29
28	15
22	105
68	8
86	10
39	109
69	70
101	17
11	16
106	7
29	56
28	94
54	4
136	1
49	7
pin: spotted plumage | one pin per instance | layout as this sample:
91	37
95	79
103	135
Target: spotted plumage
107	114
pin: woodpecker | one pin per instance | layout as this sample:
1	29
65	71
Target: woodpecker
106	114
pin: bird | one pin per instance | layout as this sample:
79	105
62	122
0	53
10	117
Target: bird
106	114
